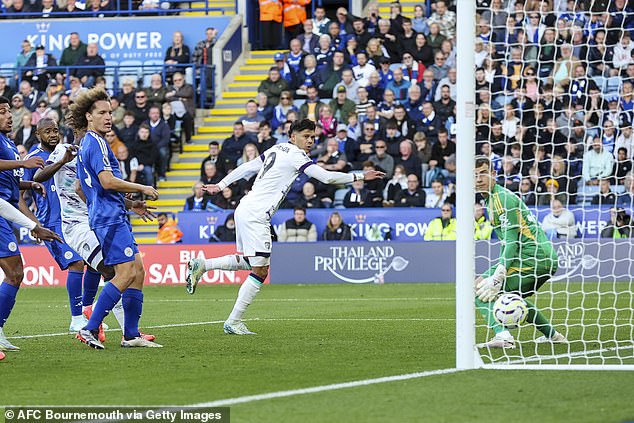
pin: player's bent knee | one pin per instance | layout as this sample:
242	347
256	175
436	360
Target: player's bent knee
260	271
77	266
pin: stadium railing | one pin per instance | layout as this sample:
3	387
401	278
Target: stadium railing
123	8
201	77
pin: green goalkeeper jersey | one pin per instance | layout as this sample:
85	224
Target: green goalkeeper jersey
525	246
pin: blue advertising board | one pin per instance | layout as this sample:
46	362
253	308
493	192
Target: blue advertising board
435	261
406	224
119	39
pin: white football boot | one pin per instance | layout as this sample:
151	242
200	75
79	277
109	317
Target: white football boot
5	345
237	327
195	272
501	340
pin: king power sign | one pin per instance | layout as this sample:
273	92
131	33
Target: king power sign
118	39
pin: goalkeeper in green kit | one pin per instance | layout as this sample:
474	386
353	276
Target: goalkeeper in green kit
527	258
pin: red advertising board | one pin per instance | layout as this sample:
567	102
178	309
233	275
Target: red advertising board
164	265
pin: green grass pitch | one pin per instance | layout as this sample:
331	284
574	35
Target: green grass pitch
308	336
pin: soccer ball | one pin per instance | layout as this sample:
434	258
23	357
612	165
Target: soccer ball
510	310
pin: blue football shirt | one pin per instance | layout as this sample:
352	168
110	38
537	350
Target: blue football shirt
105	207
10	179
48	208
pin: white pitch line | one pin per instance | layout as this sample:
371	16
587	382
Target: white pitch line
215	322
323	388
276	300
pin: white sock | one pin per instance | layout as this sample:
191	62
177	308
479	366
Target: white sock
230	262
117	311
78	319
246	295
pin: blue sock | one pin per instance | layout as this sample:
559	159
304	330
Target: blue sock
73	286
132	308
7	300
109	296
91	285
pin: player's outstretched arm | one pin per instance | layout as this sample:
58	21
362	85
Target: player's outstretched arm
30	163
14	215
329	177
244	170
111	182
47	172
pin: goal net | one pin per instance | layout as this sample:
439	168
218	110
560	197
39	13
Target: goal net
552	110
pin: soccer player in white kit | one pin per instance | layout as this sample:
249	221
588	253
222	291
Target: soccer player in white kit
276	170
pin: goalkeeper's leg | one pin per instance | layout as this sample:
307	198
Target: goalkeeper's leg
528	283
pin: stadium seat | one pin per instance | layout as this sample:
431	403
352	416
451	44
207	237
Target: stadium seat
7	70
339	196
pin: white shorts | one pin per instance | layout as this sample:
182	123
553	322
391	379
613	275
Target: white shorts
253	235
82	239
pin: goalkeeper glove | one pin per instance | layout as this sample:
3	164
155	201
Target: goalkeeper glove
499	276
487	289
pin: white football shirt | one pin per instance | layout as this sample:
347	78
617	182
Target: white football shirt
280	166
73	209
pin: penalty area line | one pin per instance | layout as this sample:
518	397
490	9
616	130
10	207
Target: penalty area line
323	388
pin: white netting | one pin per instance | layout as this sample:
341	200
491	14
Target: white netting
555	100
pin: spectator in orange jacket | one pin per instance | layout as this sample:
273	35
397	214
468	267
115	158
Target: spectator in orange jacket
294	17
168	232
270	23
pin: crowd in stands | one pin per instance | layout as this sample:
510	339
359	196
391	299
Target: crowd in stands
554	92
81	8
148	122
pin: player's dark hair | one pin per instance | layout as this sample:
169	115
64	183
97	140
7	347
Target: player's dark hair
85	103
482	161
301	125
43	122
4	100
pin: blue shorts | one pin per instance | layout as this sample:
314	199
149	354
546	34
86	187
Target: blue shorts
8	241
117	243
61	252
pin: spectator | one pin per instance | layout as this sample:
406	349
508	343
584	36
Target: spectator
128	133
330	75
157	91
226	200
270	24
442	228
560	222
251	120
622	166
399	85
273	86
264	138
312	106
626	199
282	109
232	147
294	16
363	69
75	50
357	196
215	158
307	76
597	163
87	75
438	196
226	232
160	136
333	159
327	121
168	232
605	195
210	174
76	88
298	229
374	187
441	150
41	111
23	57
619	226
320	21
176	56
25	134
408	159
509	178
526	193
412	196
445	18
483	228
394	185
113	141
552	191
128	165
348	82
308	40
146	153
341	105
5	89
381	159
264	108
336	229
18	110
40	76
181	97
118	112
309	199
199	202
439	69
203	50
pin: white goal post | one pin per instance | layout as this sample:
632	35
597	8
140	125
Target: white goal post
595	312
